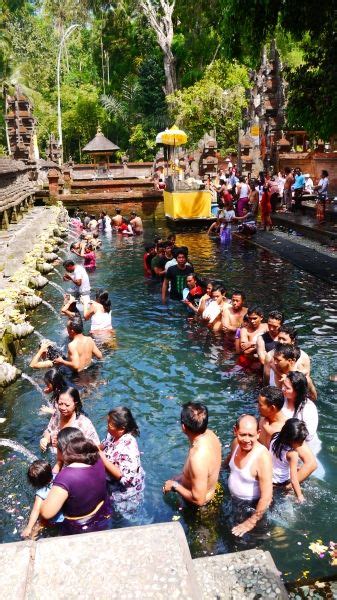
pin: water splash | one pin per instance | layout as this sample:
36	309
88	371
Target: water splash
64	251
57	287
39	335
18	448
50	307
33	383
58	272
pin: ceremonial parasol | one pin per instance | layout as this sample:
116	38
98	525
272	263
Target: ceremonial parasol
173	137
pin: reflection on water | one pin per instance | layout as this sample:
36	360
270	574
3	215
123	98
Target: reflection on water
161	361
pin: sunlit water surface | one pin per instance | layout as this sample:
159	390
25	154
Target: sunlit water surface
162	361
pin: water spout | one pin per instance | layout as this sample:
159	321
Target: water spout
50	307
58	272
33	383
39	335
18	448
57	287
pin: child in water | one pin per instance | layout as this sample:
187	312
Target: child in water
283	448
40	476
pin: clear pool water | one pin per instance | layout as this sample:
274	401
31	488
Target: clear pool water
162	361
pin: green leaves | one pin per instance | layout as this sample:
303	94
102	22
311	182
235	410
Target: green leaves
213	103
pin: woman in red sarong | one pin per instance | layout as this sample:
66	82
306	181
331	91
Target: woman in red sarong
266	209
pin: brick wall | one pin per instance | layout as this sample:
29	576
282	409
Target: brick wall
313	164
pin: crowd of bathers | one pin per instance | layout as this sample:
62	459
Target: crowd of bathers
276	448
94	482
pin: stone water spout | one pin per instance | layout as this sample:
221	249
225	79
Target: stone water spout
7	443
45	303
57	287
33	383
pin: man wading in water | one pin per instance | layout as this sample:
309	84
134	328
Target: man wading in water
197	483
81	348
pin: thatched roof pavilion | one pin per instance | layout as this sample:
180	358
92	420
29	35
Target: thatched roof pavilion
100	146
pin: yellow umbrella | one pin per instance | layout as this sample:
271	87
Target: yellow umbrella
173	137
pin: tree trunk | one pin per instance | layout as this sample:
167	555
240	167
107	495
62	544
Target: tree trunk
160	19
170	72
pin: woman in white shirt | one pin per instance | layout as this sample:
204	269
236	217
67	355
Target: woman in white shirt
243	191
297	404
99	312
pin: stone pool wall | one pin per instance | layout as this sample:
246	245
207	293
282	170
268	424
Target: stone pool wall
27	250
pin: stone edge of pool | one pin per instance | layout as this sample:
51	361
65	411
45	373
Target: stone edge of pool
314	262
147	561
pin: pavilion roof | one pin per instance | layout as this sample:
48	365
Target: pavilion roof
100	144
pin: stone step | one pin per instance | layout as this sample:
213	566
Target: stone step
146	563
245	575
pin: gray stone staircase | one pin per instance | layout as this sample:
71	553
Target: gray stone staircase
150	562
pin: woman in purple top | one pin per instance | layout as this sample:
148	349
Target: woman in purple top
80	487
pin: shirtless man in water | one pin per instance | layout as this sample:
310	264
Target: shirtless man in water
251	332
197	482
232	316
285	359
272	419
81	348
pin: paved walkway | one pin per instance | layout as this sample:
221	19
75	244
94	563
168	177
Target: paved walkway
312	260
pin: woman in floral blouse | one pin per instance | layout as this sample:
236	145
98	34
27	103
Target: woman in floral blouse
68	413
120	455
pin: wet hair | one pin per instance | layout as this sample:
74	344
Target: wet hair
180	250
237	293
55	378
194	416
66	434
292	431
287	350
76	324
289	331
255	310
68	263
102	297
39	473
89	247
218	287
299	382
239	419
273	396
72	246
122	418
277	315
75	396
81	451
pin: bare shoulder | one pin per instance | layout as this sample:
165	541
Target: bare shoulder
264	457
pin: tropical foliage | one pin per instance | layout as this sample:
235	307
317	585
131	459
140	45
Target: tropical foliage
116	70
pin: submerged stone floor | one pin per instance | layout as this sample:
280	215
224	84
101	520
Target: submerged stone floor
150	562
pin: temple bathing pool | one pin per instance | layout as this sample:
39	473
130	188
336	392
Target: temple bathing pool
162	361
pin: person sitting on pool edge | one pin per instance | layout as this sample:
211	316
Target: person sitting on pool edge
198	480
